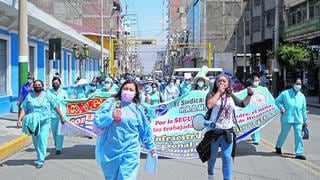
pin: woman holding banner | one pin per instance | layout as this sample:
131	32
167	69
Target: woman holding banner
59	95
122	126
223	102
292	105
37	107
255	78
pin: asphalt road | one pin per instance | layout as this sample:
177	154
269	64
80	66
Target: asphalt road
253	162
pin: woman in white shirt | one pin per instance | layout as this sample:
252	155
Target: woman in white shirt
223	103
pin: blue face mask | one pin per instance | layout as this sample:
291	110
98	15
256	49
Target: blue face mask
297	87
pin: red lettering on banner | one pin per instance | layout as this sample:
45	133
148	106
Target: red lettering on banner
79	120
183	119
160	122
83	107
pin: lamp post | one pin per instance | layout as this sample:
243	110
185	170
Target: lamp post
81	56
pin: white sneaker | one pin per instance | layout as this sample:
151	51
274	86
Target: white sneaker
210	177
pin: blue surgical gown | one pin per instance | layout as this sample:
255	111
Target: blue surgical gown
118	149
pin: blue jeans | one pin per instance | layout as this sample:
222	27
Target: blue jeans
226	149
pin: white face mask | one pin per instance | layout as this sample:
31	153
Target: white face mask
200	83
256	83
30	81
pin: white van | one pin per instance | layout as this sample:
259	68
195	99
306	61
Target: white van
212	72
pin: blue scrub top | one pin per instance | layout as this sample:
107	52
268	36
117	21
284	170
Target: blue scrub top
43	104
59	96
295	106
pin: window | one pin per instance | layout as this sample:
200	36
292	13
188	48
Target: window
314	9
256	3
32	61
69	64
256	24
77	68
48	68
61	66
247	28
3	66
270	18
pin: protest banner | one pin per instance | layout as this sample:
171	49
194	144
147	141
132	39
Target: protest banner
80	112
171	122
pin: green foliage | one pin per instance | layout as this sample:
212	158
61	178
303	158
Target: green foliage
293	55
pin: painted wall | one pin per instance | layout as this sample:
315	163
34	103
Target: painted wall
8	100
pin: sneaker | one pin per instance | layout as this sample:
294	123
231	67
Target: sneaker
278	150
302	157
58	152
210	177
256	143
39	166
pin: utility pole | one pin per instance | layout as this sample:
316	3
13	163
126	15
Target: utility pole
275	64
244	40
101	40
23	43
125	43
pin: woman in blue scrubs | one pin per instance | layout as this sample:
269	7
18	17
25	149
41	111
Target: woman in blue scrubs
59	94
124	124
293	108
40	104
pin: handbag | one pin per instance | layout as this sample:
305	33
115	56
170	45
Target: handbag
305	133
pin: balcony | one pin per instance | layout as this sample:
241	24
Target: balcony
294	31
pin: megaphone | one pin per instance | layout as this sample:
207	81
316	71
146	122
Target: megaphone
199	123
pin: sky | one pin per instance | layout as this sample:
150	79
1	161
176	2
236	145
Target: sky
150	18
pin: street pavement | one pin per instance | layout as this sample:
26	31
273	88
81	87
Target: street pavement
253	162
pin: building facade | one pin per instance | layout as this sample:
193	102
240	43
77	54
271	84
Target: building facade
302	26
41	27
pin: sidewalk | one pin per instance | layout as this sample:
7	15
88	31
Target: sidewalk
313	101
13	140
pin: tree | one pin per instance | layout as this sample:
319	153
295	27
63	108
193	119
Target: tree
293	54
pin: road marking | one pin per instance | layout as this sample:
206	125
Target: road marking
307	165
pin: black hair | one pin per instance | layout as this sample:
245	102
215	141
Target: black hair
215	86
40	82
136	98
56	78
154	84
255	75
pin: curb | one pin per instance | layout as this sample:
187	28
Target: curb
14	146
314	105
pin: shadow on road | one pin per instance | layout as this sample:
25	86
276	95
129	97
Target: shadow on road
75	152
18	162
246	148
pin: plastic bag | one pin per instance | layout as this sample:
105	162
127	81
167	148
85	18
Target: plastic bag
151	165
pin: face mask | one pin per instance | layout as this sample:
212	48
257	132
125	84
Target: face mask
102	83
93	88
297	87
256	83
187	82
107	86
171	84
30	81
37	89
55	86
201	83
154	89
127	96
